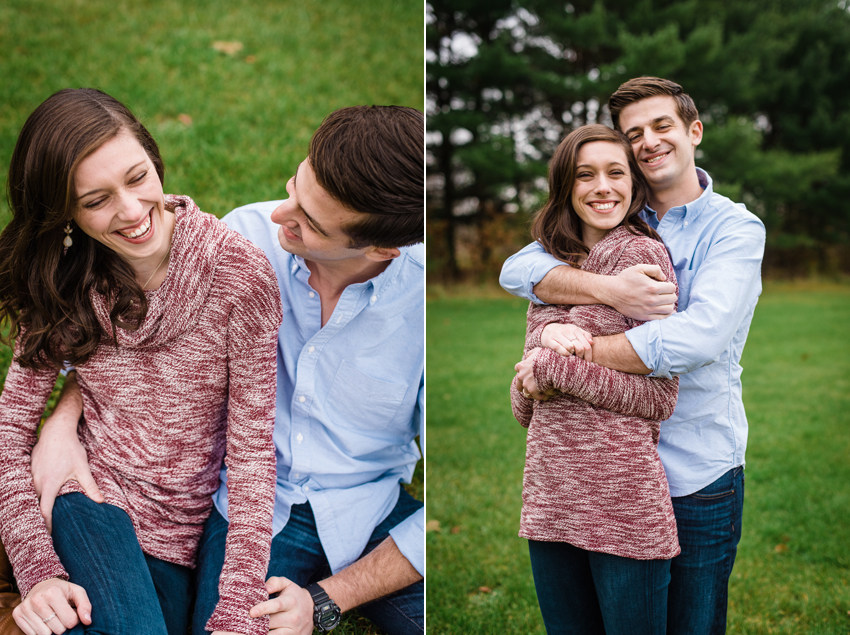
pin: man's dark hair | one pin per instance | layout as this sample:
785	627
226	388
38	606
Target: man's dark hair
641	88
371	160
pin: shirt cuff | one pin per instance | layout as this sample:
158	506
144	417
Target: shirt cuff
648	344
525	269
409	537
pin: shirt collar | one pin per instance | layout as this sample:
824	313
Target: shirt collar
693	209
379	282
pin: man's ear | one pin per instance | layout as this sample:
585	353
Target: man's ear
695	132
381	254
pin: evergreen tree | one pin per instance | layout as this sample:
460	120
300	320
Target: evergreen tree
507	81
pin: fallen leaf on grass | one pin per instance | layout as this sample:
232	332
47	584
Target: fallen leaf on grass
455	529
251	59
432	525
780	548
485	589
228	48
185	119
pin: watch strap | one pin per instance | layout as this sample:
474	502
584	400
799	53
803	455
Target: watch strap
326	613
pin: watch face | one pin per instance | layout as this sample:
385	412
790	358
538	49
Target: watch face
329	616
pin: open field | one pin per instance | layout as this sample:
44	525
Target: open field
792	575
231	92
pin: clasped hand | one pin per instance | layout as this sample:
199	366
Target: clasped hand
290	611
564	339
568	339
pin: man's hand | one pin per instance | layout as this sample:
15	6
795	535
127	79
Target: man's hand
640	292
525	381
568	339
291	612
59	456
52	606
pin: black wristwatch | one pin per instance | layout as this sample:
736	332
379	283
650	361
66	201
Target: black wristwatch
326	613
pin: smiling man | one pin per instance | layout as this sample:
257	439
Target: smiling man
716	247
346	249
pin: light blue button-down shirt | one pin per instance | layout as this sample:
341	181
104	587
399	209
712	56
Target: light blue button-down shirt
350	397
717	248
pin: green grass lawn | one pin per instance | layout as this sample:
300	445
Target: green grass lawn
792	574
231	126
231	91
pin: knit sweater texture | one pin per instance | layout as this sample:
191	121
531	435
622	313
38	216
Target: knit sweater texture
593	477
162	405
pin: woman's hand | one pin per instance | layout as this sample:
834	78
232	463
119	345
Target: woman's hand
525	381
52	606
567	339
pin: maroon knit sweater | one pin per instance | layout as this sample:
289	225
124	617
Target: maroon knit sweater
593	477
161	408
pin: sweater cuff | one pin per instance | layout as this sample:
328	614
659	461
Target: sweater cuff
232	615
548	366
40	572
535	337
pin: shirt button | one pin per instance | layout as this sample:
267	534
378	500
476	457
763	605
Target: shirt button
311	349
306	488
302	398
300	437
686	223
311	294
373	298
296	475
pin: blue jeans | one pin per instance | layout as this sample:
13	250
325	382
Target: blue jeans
297	554
130	591
590	593
709	525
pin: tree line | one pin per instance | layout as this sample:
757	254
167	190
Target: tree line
506	81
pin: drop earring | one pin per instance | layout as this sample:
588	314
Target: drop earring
68	241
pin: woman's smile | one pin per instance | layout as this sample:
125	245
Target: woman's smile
140	233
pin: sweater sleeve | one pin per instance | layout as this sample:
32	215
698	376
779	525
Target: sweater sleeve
22	528
250	460
521	405
539	317
624	393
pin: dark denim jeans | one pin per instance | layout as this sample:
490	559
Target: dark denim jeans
297	554
589	593
130	592
709	524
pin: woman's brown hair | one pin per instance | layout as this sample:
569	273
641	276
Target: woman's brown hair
44	294
557	226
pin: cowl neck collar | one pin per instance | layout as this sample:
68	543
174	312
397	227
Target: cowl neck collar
602	255
175	307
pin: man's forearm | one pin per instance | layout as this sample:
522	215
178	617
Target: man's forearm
568	285
69	408
616	352
382	571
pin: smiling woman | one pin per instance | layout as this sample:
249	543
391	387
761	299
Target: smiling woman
596	503
174	365
120	204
